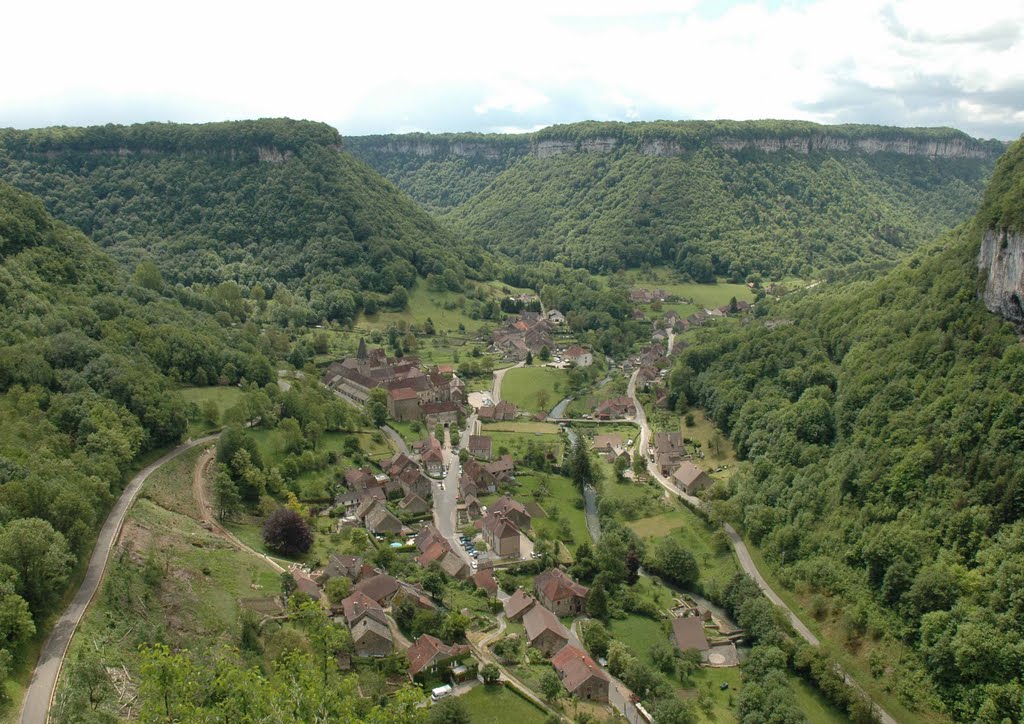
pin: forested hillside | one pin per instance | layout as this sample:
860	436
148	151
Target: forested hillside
716	198
274	204
90	361
883	421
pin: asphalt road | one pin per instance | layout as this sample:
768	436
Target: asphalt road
36	706
445	501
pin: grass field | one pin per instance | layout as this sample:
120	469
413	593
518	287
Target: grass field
714	444
543	428
536	389
710	295
250	531
497	705
447	310
316	485
224	397
587	403
516	443
717	565
639	633
724	710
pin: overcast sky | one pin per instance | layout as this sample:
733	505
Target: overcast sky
376	67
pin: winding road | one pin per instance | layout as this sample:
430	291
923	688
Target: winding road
742	554
39	696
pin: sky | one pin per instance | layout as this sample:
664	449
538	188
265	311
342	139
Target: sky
375	67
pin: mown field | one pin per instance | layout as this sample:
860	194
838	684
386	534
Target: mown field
536	389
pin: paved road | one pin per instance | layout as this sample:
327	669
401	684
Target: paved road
742	554
445	501
499	375
395	438
36	706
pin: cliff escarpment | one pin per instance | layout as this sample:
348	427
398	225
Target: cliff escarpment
1001	261
265	140
1001	224
676	138
447	171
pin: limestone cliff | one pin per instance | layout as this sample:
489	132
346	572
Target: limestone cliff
668	139
1001	260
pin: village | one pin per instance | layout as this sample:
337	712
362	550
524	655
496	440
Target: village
453	506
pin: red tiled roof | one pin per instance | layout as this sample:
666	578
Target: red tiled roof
556	585
378	587
484	579
575	667
518	602
429	649
358	604
403	393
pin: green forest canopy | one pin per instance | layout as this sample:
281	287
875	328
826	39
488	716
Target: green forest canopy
269	203
90	364
883	424
708	210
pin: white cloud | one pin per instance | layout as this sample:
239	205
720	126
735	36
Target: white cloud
481	66
515	97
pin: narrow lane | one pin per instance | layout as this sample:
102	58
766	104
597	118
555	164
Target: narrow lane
395	438
36	706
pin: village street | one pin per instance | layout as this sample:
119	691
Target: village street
446	494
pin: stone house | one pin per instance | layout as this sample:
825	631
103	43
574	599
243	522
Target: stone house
544	631
559	593
580	674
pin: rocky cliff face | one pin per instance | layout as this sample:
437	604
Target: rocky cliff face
427	149
1001	260
948	148
952	148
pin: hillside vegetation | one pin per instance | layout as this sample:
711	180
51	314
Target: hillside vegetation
883	424
90	364
274	204
714	198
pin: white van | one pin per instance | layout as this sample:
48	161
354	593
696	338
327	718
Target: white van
440	692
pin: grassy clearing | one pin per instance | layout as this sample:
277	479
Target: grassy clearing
724	701
543	428
535	389
316	485
496	704
446	309
710	295
170	486
516	443
717	564
586	404
250	531
224	397
815	706
713	444
639	633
